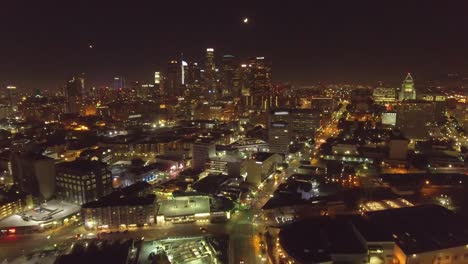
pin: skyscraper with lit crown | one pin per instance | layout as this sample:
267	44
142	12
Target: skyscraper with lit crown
407	92
210	71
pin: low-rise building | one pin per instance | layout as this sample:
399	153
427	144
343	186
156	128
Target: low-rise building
13	202
128	207
261	166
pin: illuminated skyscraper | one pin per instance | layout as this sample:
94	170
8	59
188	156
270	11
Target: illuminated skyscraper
256	85
12	97
227	75
193	78
407	92
119	83
210	71
157	77
73	94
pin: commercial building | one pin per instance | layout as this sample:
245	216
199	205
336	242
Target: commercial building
12	97
82	181
414	119
190	250
302	123
74	92
49	215
13	202
440	104
134	205
183	209
227	76
389	118
203	150
173	81
279	137
408	91
383	95
34	174
404	235
260	166
397	147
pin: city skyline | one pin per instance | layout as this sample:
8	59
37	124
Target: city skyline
361	41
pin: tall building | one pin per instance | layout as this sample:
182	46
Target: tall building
407	92
74	94
12	97
193	78
34	174
256	85
414	119
302	123
210	72
82	181
279	137
384	95
158	84
173	85
227	75
440	104
157	77
203	150
119	83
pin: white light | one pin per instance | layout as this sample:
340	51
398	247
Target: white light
246	20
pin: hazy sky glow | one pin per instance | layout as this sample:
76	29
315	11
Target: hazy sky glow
45	42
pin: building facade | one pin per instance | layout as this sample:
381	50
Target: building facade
82	181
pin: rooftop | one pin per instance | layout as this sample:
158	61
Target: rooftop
262	156
81	165
315	240
186	205
418	229
48	212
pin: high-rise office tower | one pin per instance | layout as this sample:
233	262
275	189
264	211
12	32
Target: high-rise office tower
173	86
210	71
407	92
157	78
227	75
257	81
119	83
74	94
384	95
12	97
193	78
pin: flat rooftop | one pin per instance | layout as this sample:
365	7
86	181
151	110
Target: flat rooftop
315	240
48	212
195	250
185	205
418	229
262	156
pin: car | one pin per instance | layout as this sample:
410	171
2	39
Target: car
203	229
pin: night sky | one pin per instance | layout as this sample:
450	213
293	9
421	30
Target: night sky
43	43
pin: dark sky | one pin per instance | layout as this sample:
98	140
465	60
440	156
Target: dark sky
43	43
